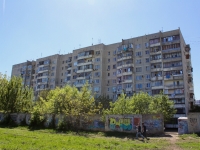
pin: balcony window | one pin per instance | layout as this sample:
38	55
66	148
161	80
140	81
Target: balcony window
158	91
74	77
156	74
170	38
172	64
97	74
96	81
114	89
97	67
96	89
137	46
154	41
128	77
128	85
146	44
173	72
155	49
171	46
97	52
115	59
138	53
156	65
172	55
114	66
147	68
156	57
157	83
148	85
147	52
180	111
147	60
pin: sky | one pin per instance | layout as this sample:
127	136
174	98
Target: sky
39	28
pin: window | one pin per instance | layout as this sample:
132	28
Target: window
114	53
108	74
108	67
52	74
96	81
139	77
147	60
137	46
138	86
97	59
97	74
146	44
138	61
115	59
75	63
74	77
148	85
97	66
61	80
53	68
96	89
108	89
108	60
62	68
139	69
114	81
147	52
114	66
147	68
97	52
63	62
138	53
114	73
52	80
61	74
75	57
108	53
148	76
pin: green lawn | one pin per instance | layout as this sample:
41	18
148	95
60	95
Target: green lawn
22	138
189	141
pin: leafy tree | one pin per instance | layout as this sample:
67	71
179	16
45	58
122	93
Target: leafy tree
103	103
14	97
161	104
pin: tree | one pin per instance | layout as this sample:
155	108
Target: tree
14	97
161	104
103	103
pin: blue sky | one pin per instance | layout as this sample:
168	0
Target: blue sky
29	29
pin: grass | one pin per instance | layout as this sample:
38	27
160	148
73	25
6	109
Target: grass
24	139
189	141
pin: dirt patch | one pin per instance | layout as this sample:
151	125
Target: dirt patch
172	137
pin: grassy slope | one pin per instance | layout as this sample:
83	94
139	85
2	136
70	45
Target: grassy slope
189	141
22	138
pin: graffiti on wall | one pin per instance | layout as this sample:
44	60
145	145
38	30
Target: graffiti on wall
121	124
182	126
93	124
193	123
153	124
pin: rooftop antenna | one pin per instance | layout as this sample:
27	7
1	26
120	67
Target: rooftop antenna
92	41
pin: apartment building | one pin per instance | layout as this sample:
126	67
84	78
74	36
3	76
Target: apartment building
153	63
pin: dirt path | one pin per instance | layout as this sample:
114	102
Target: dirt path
172	137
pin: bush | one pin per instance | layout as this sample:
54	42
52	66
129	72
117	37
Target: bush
37	120
62	125
7	121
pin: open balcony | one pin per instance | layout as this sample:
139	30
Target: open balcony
85	55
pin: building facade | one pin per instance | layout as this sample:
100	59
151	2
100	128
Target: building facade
153	63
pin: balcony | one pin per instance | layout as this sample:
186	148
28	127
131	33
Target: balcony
85	63
173	68
156	61
156	69
79	85
127	81
154	87
154	53
155	44
125	65
156	78
171	50
84	70
172	59
85	56
171	42
42	71
172	86
179	105
125	73
129	89
124	58
176	95
40	77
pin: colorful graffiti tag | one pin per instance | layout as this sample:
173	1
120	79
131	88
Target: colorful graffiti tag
153	124
93	124
123	124
182	127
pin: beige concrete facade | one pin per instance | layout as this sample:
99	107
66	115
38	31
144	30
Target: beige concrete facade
150	63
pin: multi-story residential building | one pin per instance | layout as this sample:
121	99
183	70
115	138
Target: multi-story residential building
154	63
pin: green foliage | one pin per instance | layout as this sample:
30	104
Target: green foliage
14	97
62	125
102	102
142	103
